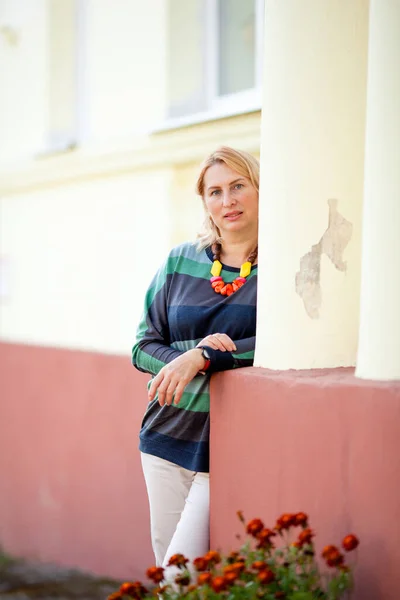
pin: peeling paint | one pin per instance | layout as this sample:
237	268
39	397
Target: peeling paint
332	243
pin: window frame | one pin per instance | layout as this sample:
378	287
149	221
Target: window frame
223	106
63	141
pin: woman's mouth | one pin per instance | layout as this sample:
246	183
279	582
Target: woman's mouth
233	216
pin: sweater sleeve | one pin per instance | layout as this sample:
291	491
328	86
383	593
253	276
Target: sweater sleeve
242	357
152	350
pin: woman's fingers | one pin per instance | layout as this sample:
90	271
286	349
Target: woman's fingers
154	385
219	341
179	391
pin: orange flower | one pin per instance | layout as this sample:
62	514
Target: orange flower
240	516
134	589
334	559
200	564
115	596
285	521
254	527
204	578
218	584
236	568
264	538
182	579
156	574
259	565
301	519
266	576
328	550
178	560
212	557
230	578
306	536
350	542
192	588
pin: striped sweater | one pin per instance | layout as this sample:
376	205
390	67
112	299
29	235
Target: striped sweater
181	308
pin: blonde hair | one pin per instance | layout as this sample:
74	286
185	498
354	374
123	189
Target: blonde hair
243	163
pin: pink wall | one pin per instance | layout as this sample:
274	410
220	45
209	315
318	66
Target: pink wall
321	442
71	487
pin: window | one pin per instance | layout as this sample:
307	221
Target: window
64	74
214	57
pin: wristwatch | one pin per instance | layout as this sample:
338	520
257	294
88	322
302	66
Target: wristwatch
206	355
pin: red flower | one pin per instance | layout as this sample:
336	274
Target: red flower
204	578
259	565
200	564
266	576
264	538
212	557
135	589
230	578
328	550
236	568
350	542
218	584
285	521
254	527
156	574
301	519
178	560
334	558
306	536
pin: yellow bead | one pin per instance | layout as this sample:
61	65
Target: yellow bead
245	269
216	268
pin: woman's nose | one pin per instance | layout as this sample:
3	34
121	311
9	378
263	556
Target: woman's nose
227	199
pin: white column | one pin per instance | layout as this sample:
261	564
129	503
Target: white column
379	338
312	150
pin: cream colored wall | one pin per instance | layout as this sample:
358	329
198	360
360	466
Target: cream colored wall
312	152
83	231
80	258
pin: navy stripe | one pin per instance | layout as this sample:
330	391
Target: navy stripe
189	455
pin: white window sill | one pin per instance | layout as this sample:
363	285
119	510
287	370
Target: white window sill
203	117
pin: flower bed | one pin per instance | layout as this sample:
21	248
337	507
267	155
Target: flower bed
274	563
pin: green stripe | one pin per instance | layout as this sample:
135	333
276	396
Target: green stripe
244	355
194	402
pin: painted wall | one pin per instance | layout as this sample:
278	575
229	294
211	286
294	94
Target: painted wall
312	158
71	486
320	441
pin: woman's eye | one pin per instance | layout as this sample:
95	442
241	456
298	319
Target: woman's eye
239	186
215	192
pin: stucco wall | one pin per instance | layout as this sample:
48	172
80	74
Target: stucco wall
319	441
71	486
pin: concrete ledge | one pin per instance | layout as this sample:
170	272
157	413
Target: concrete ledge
318	441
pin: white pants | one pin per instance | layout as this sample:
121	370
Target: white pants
179	509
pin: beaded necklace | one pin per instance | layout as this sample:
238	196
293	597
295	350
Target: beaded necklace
218	284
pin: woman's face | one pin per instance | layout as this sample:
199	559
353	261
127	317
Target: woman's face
231	200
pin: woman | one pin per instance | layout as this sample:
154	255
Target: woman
199	318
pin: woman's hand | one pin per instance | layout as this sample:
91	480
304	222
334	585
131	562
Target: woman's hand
171	381
218	341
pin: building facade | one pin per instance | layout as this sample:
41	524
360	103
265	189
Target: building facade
106	111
